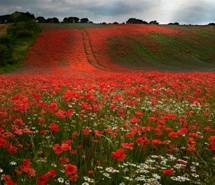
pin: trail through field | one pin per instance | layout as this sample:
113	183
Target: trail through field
57	52
67	52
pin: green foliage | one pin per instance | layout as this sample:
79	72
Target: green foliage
21	17
23	29
5	50
14	45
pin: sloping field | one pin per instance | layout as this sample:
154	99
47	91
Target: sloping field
190	49
122	48
100	38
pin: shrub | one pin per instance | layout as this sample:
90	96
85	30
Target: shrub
21	16
71	20
84	20
40	20
174	23
5	50
154	22
135	21
11	45
5	55
52	20
23	29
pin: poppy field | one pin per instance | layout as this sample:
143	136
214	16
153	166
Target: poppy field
72	115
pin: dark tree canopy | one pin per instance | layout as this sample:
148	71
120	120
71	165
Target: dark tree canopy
16	17
211	24
5	19
135	21
41	19
71	20
154	22
84	20
174	23
52	20
21	16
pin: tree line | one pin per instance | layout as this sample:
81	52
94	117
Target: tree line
26	16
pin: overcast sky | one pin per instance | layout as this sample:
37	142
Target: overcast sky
183	11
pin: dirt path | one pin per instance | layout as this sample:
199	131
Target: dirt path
92	59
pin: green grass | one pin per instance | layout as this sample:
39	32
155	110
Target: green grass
193	50
19	54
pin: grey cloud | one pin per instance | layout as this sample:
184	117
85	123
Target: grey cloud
119	10
201	12
122	7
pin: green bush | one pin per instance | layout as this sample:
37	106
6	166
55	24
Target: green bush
5	50
18	35
23	29
5	55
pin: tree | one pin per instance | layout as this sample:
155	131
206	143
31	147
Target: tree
211	24
115	23
71	20
52	20
154	22
4	19
135	21
84	20
17	17
40	20
174	23
22	17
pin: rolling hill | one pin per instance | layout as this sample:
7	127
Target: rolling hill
192	48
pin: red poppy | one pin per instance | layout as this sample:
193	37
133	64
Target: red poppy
66	147
119	154
134	120
8	180
43	180
71	169
53	106
173	134
85	131
128	146
211	140
26	168
168	171
57	149
54	127
73	178
52	173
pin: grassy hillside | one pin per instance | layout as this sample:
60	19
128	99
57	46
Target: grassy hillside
192	49
15	40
